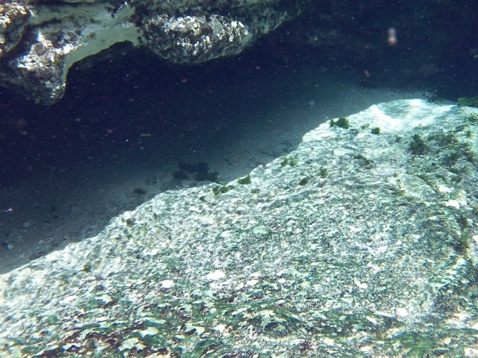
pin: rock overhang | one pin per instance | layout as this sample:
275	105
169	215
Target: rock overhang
40	41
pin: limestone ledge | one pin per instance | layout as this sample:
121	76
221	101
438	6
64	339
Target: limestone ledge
362	242
41	40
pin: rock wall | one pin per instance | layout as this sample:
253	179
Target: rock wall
41	40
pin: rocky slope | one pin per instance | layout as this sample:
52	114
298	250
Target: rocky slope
361	242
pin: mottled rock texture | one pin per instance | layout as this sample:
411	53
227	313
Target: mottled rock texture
40	40
362	242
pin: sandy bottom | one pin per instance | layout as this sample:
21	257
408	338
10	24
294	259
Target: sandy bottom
48	213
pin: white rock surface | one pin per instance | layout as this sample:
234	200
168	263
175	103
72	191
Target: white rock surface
358	251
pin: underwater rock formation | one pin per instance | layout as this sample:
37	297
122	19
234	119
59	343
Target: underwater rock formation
361	242
41	40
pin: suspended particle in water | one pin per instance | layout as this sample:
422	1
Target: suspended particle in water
391	36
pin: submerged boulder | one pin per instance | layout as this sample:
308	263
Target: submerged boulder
41	40
361	242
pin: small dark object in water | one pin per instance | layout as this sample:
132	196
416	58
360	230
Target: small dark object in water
139	191
7	245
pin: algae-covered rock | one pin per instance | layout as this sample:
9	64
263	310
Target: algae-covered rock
468	101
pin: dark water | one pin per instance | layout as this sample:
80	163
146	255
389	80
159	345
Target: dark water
122	110
112	111
133	110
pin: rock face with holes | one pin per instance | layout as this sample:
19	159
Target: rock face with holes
40	40
361	242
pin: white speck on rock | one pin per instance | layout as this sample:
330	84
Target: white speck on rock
215	275
150	331
128	215
361	285
153	252
401	312
167	283
129	343
221	328
453	203
444	189
226	234
251	282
